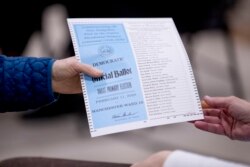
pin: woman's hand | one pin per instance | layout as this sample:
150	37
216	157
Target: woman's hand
66	75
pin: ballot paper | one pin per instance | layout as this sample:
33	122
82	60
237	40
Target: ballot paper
147	76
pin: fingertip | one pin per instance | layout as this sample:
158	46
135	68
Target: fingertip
92	71
98	73
204	104
206	97
197	124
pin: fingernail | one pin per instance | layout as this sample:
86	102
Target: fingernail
99	72
206	97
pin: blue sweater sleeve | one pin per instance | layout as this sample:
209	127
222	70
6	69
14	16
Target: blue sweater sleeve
25	83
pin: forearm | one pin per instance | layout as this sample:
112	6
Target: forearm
187	159
25	83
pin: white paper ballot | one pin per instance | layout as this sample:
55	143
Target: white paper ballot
147	81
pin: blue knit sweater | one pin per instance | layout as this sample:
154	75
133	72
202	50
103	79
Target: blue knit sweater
25	83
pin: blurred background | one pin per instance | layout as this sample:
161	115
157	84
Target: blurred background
216	35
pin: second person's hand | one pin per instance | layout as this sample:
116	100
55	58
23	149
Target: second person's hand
229	116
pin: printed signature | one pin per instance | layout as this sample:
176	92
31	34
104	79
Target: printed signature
124	114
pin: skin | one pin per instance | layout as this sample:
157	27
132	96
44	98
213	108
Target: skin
65	75
155	160
229	116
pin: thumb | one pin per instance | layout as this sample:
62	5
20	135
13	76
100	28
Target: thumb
88	69
217	102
